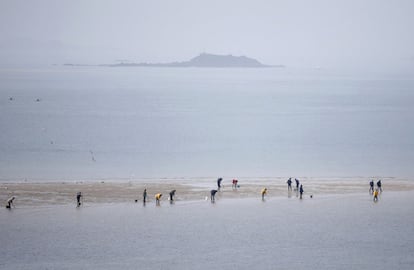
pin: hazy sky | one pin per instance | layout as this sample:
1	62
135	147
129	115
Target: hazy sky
371	34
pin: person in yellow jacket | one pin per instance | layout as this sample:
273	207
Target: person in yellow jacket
264	192
158	198
376	195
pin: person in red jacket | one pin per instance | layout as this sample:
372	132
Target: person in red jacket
235	181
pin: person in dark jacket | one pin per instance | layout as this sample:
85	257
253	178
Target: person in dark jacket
371	187
219	183
10	202
213	195
172	194
289	182
379	185
301	191
144	196
78	198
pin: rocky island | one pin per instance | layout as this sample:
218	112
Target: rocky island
202	60
206	60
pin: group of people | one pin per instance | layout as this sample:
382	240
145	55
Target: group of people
299	188
234	185
158	197
289	182
375	193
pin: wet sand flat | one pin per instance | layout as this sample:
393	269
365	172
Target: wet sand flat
61	193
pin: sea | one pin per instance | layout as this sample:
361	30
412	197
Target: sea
71	123
64	123
327	232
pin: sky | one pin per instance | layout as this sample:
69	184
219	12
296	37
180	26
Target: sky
348	34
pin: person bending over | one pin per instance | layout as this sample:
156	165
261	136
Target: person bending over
213	195
264	192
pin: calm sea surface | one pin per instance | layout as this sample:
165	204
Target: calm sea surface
330	232
134	123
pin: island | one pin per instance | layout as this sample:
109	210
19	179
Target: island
202	60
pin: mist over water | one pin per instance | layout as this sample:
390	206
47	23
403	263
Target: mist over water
95	123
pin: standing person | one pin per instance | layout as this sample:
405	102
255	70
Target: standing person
144	196
78	198
10	202
379	185
376	195
158	198
297	184
235	181
264	192
371	187
219	183
301	191
213	195
289	182
172	194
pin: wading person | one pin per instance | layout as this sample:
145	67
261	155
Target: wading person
301	191
371	187
10	202
379	185
219	183
213	195
297	184
264	192
144	196
289	182
376	195
158	198
234	183
78	198
172	194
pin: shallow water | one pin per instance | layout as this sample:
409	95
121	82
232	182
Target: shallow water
329	232
109	123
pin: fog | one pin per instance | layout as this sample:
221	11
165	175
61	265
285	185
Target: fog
372	35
